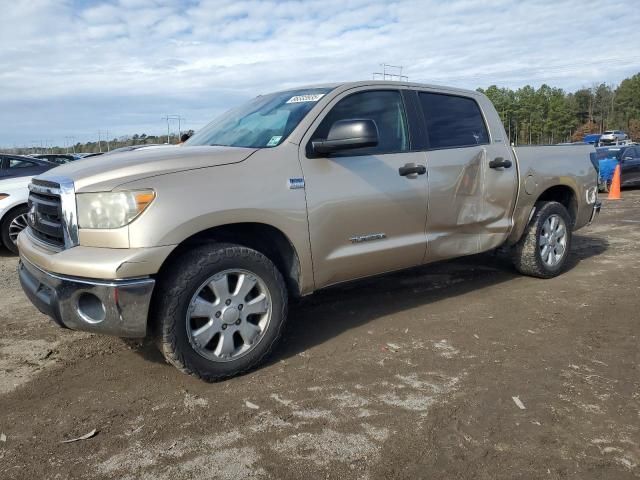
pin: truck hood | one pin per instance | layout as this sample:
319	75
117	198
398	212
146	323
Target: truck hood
106	172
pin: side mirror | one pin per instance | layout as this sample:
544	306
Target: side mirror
348	134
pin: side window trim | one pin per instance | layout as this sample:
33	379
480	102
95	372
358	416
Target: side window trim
417	126
322	114
426	129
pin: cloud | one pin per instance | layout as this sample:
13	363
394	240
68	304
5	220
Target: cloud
117	64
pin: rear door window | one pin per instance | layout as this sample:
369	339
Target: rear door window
452	121
19	163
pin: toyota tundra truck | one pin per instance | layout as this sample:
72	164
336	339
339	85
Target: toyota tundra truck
201	246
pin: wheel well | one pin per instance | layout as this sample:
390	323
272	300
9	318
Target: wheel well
563	195
15	207
261	237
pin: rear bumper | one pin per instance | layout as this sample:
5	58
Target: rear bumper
596	211
112	307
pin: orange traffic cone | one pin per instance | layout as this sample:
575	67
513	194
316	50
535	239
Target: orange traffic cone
614	190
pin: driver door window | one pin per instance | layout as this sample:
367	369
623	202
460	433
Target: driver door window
384	107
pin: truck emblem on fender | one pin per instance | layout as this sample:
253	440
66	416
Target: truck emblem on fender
296	183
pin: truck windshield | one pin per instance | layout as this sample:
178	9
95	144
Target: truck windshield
264	122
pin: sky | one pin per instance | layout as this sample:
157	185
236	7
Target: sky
72	68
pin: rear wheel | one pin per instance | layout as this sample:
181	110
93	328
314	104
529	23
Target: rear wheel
544	247
219	310
13	223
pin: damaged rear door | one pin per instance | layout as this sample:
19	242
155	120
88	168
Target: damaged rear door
472	177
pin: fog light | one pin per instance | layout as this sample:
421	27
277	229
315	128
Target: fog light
91	308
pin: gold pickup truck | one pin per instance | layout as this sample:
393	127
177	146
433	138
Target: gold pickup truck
201	245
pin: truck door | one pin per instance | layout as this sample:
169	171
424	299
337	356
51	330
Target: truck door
472	179
365	217
630	166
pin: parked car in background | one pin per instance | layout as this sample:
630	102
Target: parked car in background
87	155
12	166
613	136
627	156
58	158
593	139
14	193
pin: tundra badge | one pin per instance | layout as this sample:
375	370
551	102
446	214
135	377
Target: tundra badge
296	183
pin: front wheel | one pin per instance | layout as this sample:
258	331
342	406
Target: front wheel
544	247
219	310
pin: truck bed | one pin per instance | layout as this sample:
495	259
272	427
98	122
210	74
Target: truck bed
554	166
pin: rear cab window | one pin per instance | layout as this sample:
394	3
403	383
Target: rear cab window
452	121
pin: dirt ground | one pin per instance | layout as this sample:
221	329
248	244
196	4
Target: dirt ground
406	376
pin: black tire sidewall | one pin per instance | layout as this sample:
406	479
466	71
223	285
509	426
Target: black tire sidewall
174	327
546	210
4	227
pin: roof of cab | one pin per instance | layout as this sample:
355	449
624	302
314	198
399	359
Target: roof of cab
385	83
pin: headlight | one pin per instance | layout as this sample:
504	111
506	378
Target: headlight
3	196
111	209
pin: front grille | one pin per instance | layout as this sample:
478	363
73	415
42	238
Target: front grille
45	183
45	217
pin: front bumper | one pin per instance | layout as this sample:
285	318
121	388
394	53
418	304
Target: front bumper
112	307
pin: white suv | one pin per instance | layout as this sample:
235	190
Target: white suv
613	136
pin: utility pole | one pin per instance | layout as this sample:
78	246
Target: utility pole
391	76
168	118
99	142
71	140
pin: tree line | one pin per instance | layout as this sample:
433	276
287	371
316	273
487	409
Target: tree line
551	115
105	145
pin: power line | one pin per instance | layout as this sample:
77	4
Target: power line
386	75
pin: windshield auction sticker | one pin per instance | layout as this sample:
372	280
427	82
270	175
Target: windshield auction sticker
274	141
306	98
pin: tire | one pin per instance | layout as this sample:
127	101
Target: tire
527	254
13	223
190	303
